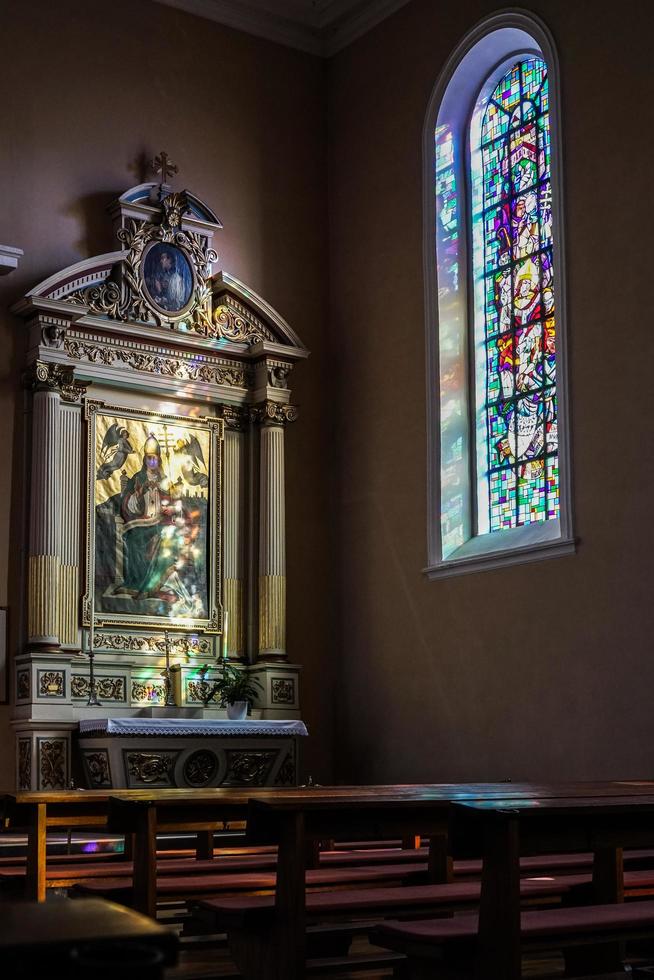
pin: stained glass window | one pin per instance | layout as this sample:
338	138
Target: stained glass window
515	337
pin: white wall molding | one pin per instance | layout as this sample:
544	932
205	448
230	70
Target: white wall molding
322	29
9	257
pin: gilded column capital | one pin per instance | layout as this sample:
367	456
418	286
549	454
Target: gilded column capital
60	378
235	417
273	413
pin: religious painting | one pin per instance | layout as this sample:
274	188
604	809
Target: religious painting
168	277
153	525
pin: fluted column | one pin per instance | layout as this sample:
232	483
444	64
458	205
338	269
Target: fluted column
49	487
234	510
43	614
272	531
69	523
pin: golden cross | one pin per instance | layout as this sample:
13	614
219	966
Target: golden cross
162	164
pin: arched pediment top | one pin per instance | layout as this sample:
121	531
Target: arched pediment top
160	284
148	195
258	316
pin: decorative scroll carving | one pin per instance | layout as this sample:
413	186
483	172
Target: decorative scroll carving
97	768
249	768
198	691
107	688
282	690
43	376
273	413
150	767
234	322
287	775
148	692
24	763
52	753
181	646
235	416
23	685
122	296
200	768
230	375
51	683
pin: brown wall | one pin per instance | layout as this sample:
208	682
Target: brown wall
538	671
90	86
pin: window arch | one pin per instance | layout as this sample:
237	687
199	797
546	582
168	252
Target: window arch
499	475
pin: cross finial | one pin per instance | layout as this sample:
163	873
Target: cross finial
162	164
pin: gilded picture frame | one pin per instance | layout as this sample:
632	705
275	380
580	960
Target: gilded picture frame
153	520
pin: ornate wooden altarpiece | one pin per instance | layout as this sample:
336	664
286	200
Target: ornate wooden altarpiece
160	396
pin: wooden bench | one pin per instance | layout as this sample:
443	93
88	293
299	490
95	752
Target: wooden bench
443	948
185	886
250	922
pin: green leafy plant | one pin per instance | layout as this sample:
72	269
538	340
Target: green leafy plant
235	685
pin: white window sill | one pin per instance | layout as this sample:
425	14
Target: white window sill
512	547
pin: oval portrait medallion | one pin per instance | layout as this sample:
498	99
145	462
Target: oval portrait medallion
167	278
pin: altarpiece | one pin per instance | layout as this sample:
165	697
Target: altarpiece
159	400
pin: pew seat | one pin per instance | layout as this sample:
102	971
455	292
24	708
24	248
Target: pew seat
424	940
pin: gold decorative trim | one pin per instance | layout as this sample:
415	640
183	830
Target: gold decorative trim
272	613
68	603
214	622
148	692
43	595
51	684
229	375
235	322
107	688
185	646
122	296
233	601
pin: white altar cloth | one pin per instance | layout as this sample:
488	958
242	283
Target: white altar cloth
190	726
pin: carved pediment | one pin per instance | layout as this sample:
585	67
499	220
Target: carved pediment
160	280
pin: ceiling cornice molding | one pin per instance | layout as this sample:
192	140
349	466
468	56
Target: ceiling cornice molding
322	29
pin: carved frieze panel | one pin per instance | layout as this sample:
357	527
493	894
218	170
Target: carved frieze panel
107	688
24	763
23	685
150	768
153	360
282	690
52	763
200	768
198	691
180	646
148	692
287	775
51	683
97	768
249	768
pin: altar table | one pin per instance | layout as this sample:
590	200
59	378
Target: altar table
133	753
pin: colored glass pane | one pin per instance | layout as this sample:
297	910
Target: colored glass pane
513	217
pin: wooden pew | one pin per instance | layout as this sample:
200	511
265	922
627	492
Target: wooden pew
505	830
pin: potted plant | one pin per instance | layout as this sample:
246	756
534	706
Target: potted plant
236	690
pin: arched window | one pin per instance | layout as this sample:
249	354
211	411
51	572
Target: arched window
499	488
